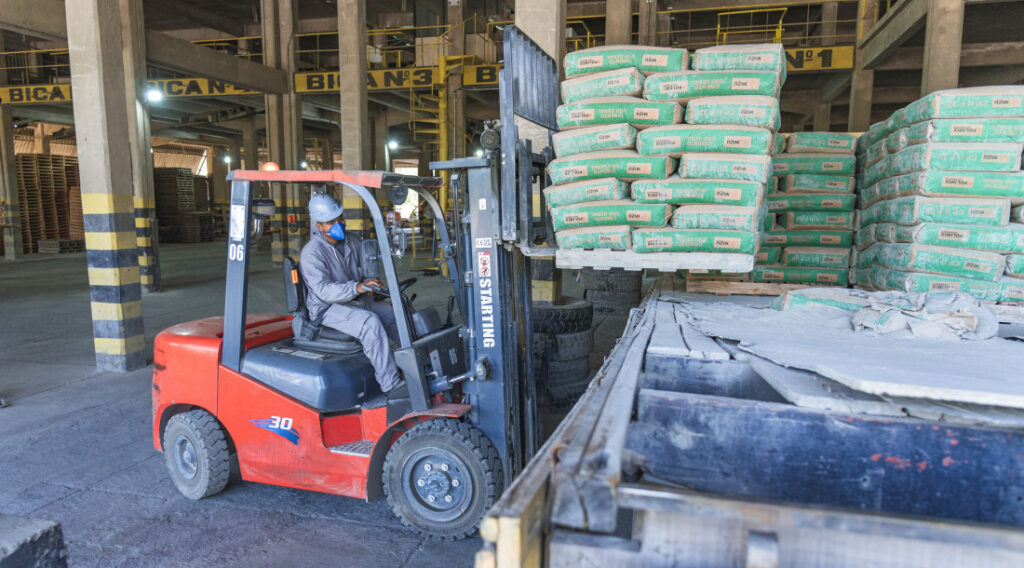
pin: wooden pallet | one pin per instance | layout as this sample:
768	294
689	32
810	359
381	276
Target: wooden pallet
603	259
734	288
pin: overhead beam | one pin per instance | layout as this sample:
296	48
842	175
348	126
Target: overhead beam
201	16
971	55
903	20
835	86
1003	75
44	18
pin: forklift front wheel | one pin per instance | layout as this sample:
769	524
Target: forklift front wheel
441	477
196	454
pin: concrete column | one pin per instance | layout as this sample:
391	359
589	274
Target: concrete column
943	33
381	135
862	86
664	36
218	173
234	154
250	146
102	99
648	26
823	117
10	210
618	25
456	96
133	40
326	153
295	150
544	21
274	105
355	113
829	15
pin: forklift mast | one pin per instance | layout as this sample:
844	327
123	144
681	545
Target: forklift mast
498	231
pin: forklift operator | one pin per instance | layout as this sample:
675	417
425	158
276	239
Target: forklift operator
336	283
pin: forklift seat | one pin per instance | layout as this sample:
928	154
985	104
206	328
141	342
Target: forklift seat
311	334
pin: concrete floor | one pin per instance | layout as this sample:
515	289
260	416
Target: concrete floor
76	443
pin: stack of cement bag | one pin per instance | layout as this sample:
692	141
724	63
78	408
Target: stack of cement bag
616	152
941	205
810	215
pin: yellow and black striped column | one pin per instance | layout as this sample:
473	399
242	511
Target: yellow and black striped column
357	216
102	124
546	285
114	280
146	241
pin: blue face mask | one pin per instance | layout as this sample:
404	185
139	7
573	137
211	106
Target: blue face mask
337	231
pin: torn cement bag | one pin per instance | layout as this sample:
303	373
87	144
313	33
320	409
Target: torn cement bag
607	57
613	237
684	86
934	315
744	110
593	139
587	190
821	142
616	110
676	139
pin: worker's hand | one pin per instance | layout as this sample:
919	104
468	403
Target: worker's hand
367	286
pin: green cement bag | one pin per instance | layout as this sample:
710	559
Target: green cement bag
759	57
612	237
996	239
694	240
810	202
768	255
600	189
713	165
616	110
941	183
916	209
896	141
816	257
877	152
684	86
961	130
676	139
611	212
831	276
865	237
624	165
957	157
827	164
1017	214
821	142
728	217
941	260
817	183
841	239
616	83
594	139
744	110
607	57
679	190
976	102
779	144
1015	265
877	172
917	282
816	220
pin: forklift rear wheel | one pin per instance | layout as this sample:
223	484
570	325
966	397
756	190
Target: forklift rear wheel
196	454
441	477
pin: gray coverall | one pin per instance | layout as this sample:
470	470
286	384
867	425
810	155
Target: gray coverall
331	273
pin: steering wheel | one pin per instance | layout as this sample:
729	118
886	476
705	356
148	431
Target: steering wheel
382	292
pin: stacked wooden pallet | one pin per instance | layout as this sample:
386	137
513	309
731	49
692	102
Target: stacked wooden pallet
175	191
44	200
61	246
202	192
76	224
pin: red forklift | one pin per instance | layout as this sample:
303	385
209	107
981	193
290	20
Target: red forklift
294	404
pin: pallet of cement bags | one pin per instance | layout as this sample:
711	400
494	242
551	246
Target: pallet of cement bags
601	138
624	165
678	191
677	139
744	110
646	59
616	110
684	86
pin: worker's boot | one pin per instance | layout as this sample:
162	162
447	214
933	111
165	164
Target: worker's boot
400	391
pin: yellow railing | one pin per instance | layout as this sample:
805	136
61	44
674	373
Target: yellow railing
801	26
584	40
750	26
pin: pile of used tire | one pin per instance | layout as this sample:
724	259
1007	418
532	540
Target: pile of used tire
562	342
613	292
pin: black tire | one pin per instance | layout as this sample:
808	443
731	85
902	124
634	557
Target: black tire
569	371
563	346
568	317
196	454
627	299
614	280
472	478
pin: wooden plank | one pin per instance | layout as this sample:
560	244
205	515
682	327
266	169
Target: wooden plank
684	528
700	345
781	452
663	261
667	338
730	288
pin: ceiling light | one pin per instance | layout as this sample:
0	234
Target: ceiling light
393	144
154	95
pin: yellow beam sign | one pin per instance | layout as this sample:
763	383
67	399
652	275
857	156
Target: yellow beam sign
819	58
189	87
35	94
376	80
